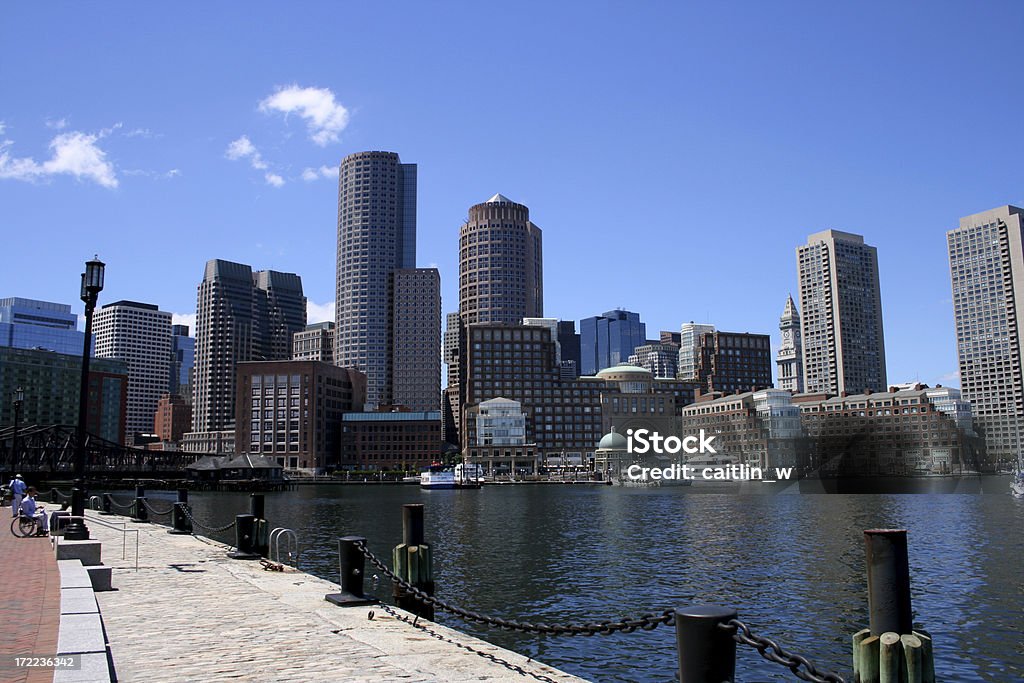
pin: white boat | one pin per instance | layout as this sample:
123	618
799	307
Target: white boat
1017	485
437	477
469	473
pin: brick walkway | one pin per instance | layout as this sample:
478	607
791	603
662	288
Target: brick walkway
29	602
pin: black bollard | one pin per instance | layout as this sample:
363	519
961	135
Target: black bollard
245	535
256	505
261	544
108	508
706	652
180	523
888	581
352	566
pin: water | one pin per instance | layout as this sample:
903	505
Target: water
793	565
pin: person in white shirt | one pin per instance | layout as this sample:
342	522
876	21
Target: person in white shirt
29	508
17	487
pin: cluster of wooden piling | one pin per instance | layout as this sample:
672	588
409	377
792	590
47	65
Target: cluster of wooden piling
413	563
892	658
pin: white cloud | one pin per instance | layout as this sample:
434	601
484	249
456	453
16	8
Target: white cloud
142	133
325	117
311	174
318	313
3	127
185	319
273	179
59	124
242	148
75	153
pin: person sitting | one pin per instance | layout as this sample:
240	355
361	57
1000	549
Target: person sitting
30	509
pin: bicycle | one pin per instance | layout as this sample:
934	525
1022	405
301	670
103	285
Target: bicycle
24	526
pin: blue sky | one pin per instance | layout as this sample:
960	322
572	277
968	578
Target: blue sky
673	156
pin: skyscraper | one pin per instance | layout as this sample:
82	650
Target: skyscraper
32	324
183	358
139	335
501	265
789	359
690	335
841	305
609	339
376	237
986	263
415	355
240	316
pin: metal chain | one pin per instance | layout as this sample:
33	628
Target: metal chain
62	496
213	530
646	622
773	652
157	512
121	506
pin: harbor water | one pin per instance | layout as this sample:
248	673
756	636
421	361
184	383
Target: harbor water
792	565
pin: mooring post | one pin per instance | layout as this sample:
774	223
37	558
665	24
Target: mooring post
352	568
139	512
180	523
413	562
245	530
256	509
108	508
706	652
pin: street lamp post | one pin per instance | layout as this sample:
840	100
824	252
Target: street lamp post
18	397
92	285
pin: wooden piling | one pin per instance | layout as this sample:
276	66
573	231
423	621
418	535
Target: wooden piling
911	658
858	637
869	654
413	563
927	661
890	658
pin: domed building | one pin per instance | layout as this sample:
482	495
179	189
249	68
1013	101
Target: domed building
636	404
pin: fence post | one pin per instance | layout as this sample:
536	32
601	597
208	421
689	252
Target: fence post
413	563
352	566
108	509
180	523
256	509
139	512
245	530
706	652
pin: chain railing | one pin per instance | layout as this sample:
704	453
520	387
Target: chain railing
801	667
121	506
159	513
212	530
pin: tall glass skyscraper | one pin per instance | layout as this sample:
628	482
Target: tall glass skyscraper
32	324
609	339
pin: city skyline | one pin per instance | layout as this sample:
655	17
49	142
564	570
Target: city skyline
840	144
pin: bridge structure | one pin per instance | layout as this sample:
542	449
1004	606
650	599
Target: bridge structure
49	450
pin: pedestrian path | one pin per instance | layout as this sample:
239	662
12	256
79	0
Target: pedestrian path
29	603
190	613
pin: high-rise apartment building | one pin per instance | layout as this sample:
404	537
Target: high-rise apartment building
661	360
732	362
139	335
789	359
501	265
183	359
240	316
316	342
414	368
986	263
690	335
32	324
608	339
841	314
376	236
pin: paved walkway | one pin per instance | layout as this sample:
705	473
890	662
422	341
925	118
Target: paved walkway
29	603
190	613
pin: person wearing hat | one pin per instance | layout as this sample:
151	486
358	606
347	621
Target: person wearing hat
17	494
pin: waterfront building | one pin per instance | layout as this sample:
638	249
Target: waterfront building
451	348
376	237
986	265
896	432
841	314
51	383
34	324
172	420
291	411
241	316
316	342
732	362
690	335
609	339
499	444
661	359
414	371
501	266
755	428
789	359
139	335
183	359
398	440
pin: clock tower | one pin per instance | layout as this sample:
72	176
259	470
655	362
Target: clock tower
790	357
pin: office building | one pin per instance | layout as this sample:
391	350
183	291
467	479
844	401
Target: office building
732	362
173	419
414	368
376	237
500	445
139	335
316	342
690	335
32	324
183	359
841	314
51	383
569	344
660	359
407	441
291	411
240	316
609	339
671	338
501	266
789	359
986	264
